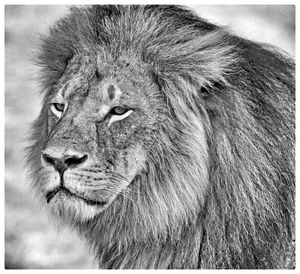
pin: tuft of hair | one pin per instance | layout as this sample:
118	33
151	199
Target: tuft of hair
233	101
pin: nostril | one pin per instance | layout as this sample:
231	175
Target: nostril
75	161
61	161
48	159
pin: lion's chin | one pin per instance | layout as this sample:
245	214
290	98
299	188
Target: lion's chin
73	209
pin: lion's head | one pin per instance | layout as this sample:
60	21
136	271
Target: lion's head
101	125
136	144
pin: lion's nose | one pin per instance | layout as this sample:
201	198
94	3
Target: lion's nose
63	161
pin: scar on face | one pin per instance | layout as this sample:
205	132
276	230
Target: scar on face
111	92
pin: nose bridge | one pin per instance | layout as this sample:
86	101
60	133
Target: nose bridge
62	152
68	137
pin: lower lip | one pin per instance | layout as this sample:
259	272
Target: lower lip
50	195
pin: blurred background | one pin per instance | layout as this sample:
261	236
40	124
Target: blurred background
31	239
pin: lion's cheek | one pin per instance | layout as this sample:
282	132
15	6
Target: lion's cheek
130	162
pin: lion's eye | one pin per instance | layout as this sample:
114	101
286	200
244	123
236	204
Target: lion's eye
118	111
118	114
57	109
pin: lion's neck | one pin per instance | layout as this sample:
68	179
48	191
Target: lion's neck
183	253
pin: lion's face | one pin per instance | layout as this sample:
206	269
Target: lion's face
102	118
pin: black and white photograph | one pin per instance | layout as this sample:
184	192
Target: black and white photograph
158	136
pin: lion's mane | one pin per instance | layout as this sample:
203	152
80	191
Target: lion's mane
219	186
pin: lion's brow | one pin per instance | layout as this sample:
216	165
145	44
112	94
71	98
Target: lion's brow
63	89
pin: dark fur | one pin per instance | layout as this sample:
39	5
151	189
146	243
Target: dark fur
243	95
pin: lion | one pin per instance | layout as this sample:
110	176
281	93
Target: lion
165	140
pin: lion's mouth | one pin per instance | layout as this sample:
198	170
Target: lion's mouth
50	195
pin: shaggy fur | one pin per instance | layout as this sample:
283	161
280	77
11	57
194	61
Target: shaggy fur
218	187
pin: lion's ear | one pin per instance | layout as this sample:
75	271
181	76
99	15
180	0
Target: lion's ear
214	99
158	79
209	90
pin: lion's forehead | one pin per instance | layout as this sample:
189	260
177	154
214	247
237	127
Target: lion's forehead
97	98
104	82
83	68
